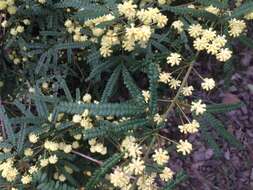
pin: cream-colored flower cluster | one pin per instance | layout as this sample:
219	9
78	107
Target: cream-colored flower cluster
16	58
138	32
42	1
97	147
210	41
135	169
8	170
75	29
236	27
192	127
84	120
8	5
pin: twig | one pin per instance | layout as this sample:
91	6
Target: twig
87	157
178	92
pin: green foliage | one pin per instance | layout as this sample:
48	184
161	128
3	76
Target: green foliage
102	109
215	3
52	53
246	41
111	84
223	108
221	130
246	8
108	128
153	85
191	12
180	177
101	172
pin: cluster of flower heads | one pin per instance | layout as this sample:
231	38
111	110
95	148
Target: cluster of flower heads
208	40
139	31
13	169
135	169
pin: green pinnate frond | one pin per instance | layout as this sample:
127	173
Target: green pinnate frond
110	85
180	177
215	3
221	130
244	9
102	109
190	11
153	84
109	128
102	171
223	108
133	89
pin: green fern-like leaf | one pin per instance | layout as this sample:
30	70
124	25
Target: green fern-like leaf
209	139
110	128
101	172
153	78
241	11
223	108
111	84
180	177
131	86
220	129
215	3
7	125
102	109
246	41
189	11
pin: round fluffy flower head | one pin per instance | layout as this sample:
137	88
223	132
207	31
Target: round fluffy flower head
136	166
174	59
236	27
146	95
33	169
224	55
165	77
195	30
167	174
200	43
130	147
26	179
209	34
187	91
119	178
33	138
220	41
76	118
44	162
213	10
161	156
50	145
62	178
128	9
147	182
189	127
174	83
184	147
249	16
87	98
208	84
42	1
161	20
158	119
198	107
53	159
28	152
178	25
